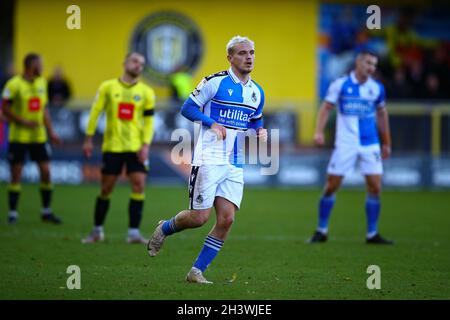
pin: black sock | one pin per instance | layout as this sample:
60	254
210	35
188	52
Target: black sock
101	208
135	213
13	199
46	197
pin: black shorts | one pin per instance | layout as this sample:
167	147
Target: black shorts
113	162
39	152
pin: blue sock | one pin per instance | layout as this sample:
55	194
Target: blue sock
326	204
372	213
209	252
169	227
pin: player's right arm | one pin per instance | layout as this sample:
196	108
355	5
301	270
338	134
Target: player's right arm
199	98
328	104
322	119
97	108
9	94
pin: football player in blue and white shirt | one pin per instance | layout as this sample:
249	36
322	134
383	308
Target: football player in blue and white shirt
362	121
227	104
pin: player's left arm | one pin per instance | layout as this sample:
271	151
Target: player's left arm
48	125
147	131
257	121
383	125
385	132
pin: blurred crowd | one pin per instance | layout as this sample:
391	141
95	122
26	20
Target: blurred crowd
411	66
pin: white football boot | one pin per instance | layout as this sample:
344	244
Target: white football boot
156	241
94	236
136	238
196	276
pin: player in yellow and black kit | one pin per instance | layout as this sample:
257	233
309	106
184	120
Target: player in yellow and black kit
129	108
24	106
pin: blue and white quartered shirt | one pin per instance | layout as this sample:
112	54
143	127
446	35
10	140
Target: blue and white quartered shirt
232	104
356	110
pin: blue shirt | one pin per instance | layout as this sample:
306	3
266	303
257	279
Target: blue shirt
224	99
356	105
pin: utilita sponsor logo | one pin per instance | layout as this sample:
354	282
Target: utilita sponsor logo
356	108
235	115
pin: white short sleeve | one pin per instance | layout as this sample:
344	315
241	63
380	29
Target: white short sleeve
204	92
333	92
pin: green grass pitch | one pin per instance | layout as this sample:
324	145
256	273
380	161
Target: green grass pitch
265	256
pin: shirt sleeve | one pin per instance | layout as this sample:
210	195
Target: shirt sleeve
204	92
256	120
190	110
97	108
9	91
381	100
149	111
333	92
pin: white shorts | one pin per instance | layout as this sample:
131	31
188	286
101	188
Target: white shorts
210	181
345	158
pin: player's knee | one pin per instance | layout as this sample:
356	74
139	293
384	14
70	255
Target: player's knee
106	190
330	189
226	222
201	217
138	186
374	190
331	186
15	178
45	175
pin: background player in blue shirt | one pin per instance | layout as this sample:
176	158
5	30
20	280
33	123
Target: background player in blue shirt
362	120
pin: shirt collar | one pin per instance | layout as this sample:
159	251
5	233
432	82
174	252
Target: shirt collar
236	79
127	85
355	81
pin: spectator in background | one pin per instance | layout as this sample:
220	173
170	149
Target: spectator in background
399	87
439	67
433	89
404	43
407	62
58	89
416	77
181	87
5	76
344	32
343	41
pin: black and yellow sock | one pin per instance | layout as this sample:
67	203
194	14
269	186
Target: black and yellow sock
101	208
13	196
135	207
46	190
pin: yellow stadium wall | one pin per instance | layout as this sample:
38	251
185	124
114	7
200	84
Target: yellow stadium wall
285	35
